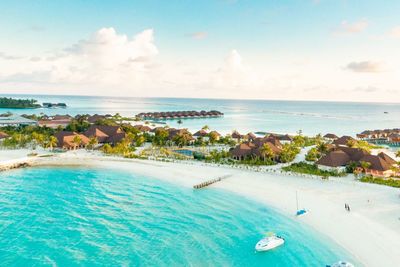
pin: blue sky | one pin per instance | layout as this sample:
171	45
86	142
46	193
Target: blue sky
222	48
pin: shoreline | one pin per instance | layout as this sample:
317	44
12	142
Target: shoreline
370	232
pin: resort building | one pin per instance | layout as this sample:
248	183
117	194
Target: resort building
56	121
285	139
250	137
343	141
330	137
96	117
254	149
237	136
201	134
143	128
105	133
67	140
14	120
216	134
340	157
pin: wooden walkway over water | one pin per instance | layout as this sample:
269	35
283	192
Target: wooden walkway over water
210	182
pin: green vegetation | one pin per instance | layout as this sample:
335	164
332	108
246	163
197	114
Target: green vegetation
364	145
18	103
28	136
313	154
123	148
79	124
312	169
382	181
289	152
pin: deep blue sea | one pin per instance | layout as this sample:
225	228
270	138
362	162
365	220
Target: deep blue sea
101	217
242	115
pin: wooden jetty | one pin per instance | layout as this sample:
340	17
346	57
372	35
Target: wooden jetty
210	182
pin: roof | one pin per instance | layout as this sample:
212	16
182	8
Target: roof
334	159
105	133
377	163
236	135
285	137
241	150
3	135
251	136
200	133
142	128
65	139
331	136
343	140
355	154
274	140
387	158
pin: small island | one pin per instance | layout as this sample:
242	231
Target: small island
6	102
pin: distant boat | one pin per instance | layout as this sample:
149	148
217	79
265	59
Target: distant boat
269	242
299	212
341	264
386	112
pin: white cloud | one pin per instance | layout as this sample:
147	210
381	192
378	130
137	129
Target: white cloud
365	66
395	32
234	74
197	35
352	27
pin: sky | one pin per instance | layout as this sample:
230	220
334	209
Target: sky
332	50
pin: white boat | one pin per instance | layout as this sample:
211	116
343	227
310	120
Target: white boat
341	264
269	242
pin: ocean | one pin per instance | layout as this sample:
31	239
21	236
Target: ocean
311	117
82	216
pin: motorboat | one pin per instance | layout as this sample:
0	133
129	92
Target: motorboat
269	242
341	264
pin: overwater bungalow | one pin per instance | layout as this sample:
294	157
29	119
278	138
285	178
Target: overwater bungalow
179	114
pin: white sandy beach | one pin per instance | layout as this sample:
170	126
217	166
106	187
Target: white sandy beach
370	232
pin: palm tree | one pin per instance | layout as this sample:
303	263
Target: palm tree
77	141
52	142
205	128
266	152
179	122
365	165
398	154
92	142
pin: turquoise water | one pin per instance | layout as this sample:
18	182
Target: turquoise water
100	217
243	115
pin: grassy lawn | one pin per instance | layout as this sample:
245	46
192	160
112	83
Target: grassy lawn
306	168
389	182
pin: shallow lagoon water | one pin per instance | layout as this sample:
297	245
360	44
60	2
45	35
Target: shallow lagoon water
101	217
